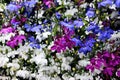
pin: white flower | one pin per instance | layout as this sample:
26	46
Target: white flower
72	78
3	60
65	66
84	76
23	73
40	14
45	34
13	65
83	63
71	12
64	2
84	5
5	37
40	58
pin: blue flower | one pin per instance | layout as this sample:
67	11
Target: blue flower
117	3
87	46
85	49
36	28
33	42
77	41
58	15
33	28
90	13
90	42
105	34
70	26
32	39
106	2
27	27
35	45
12	8
30	3
78	23
93	27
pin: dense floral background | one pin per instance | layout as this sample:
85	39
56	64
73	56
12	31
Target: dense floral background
60	39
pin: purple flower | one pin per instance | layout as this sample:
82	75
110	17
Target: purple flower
48	3
14	41
108	71
7	30
62	43
106	62
14	21
118	73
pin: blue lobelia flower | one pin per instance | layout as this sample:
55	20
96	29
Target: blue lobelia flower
117	3
77	41
35	45
105	34
12	8
105	3
33	28
70	26
90	42
27	27
33	42
78	23
30	3
85	49
32	39
36	28
93	27
90	13
58	15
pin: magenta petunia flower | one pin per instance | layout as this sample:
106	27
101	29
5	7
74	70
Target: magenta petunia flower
7	30
14	41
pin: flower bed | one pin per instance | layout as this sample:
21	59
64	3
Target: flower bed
60	40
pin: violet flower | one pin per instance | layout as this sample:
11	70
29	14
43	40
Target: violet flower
63	42
14	41
106	62
48	3
118	73
7	30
